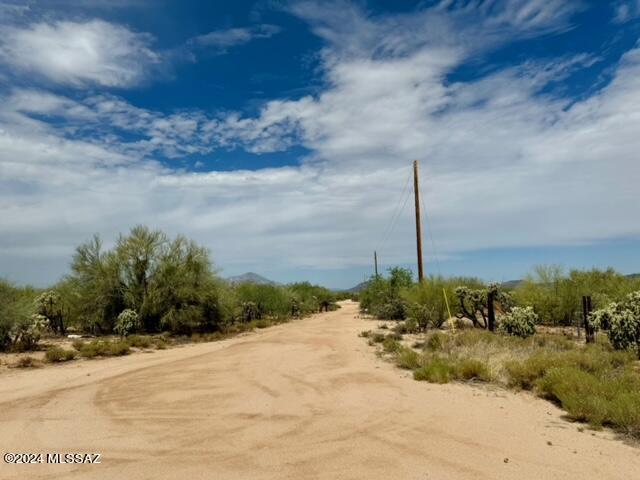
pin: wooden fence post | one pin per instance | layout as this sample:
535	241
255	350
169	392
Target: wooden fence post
491	314
586	310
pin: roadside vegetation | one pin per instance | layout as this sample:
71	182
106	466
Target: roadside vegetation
535	345
149	291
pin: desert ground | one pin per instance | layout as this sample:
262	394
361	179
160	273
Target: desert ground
303	400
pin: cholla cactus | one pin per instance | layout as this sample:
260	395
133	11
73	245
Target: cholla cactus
49	305
25	334
127	323
39	322
519	322
623	322
601	319
250	311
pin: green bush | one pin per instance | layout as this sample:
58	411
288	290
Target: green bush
556	296
390	344
472	369
519	322
139	341
436	341
150	274
407	358
57	354
437	370
611	399
523	374
103	348
377	337
382	297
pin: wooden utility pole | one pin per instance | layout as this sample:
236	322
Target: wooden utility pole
416	194
375	261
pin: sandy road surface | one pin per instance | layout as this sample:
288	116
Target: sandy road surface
303	400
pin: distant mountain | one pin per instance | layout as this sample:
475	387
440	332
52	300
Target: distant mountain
358	288
251	277
515	283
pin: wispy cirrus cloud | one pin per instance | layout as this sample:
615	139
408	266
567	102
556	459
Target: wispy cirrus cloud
626	10
220	41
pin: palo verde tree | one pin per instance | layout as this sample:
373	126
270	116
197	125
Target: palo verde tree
169	284
383	296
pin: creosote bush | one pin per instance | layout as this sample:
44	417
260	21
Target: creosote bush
102	348
58	354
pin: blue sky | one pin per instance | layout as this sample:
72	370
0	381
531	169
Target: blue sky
280	133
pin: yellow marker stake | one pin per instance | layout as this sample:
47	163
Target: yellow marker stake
446	301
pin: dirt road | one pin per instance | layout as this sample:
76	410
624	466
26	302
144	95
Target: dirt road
304	400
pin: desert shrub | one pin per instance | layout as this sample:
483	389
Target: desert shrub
117	349
390	344
365	333
160	343
436	341
127	323
427	301
308	298
524	373
26	362
556	295
377	337
519	322
18	332
407	358
411	325
612	399
263	323
57	354
394	309
139	341
472	369
103	348
438	370
382	297
183	320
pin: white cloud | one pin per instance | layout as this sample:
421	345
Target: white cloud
503	164
626	10
221	40
79	53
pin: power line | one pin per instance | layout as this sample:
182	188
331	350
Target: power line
429	225
396	215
